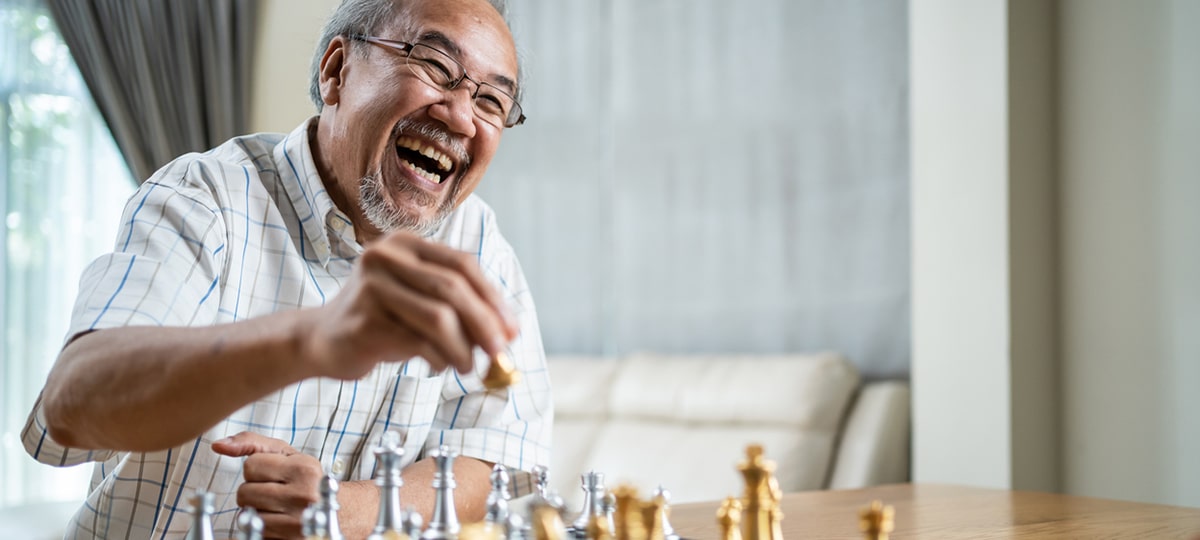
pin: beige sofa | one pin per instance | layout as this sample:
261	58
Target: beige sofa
684	421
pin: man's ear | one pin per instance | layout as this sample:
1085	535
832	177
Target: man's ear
333	70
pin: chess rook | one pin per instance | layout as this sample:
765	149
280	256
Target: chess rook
201	511
443	525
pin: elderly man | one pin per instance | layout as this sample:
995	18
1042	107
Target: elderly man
276	304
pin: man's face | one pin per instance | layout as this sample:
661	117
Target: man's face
406	152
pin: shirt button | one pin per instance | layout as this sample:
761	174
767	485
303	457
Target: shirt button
338	466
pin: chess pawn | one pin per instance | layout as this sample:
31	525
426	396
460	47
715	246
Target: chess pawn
249	525
667	530
497	501
202	510
443	525
411	521
328	506
729	518
388	525
876	521
593	501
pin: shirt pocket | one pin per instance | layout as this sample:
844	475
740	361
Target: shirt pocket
408	409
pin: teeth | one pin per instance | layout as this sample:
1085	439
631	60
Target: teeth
432	177
426	150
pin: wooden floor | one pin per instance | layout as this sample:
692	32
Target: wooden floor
940	511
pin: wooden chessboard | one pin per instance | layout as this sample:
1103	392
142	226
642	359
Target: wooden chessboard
940	511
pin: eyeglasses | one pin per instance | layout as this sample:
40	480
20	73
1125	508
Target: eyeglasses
442	71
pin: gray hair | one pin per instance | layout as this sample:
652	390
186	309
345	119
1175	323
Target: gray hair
366	17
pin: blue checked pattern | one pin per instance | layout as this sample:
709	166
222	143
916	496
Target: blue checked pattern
245	230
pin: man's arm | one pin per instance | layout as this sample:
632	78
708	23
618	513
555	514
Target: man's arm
145	389
280	483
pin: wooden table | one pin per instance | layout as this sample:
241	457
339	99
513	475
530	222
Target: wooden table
939	511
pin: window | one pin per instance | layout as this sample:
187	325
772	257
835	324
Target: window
64	186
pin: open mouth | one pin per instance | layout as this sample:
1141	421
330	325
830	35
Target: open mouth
425	160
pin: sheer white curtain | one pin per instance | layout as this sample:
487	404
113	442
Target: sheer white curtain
711	176
64	185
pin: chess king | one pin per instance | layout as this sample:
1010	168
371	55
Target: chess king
274	305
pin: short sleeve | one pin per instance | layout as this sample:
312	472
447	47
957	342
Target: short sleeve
164	270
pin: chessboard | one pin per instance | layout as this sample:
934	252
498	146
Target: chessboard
760	512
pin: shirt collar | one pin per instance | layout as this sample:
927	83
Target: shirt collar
319	216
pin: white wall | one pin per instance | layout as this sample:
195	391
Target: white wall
1131	297
1127	310
984	368
287	36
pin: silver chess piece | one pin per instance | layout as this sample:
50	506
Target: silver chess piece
313	524
202	511
443	525
668	530
328	505
497	501
593	503
249	525
514	527
541	480
412	523
387	477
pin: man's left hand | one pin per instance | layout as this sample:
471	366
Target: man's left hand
280	482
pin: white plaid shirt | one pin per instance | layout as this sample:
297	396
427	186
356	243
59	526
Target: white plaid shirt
245	230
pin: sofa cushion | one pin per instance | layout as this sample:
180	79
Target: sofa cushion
684	421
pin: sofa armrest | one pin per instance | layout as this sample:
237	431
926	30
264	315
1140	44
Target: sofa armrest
874	445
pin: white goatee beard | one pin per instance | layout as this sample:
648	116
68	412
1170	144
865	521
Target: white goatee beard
388	217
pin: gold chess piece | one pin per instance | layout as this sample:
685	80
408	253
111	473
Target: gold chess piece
501	373
729	518
597	528
652	518
480	530
628	517
876	521
760	503
547	524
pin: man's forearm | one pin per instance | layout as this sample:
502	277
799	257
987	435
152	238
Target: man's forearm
360	499
151	388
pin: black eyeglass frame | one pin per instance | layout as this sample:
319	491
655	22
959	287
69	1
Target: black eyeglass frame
405	48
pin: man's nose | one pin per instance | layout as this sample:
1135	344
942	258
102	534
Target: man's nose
457	110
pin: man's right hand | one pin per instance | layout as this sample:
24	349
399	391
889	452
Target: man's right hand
408	297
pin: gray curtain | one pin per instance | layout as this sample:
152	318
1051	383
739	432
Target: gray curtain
168	77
